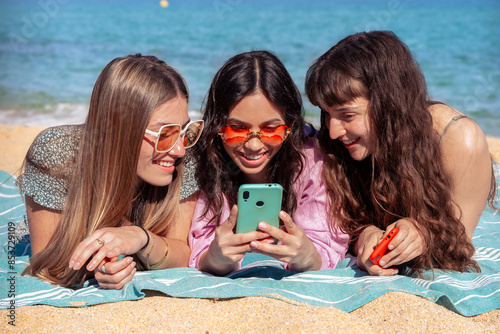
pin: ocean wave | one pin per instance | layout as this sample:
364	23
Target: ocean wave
53	115
49	115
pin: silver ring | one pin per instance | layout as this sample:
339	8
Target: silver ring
103	269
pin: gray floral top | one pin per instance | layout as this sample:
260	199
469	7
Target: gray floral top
50	161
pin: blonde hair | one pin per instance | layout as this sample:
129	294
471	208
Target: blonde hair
103	189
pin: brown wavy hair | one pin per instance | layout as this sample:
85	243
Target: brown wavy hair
103	188
243	75
404	177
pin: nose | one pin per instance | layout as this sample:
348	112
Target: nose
336	129
254	143
178	150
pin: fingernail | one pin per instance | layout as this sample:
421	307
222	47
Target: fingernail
132	264
379	272
382	263
262	226
391	247
91	266
265	235
282	214
77	266
129	260
254	244
109	254
71	263
270	241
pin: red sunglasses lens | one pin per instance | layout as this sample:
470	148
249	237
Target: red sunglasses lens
235	136
269	135
274	136
272	140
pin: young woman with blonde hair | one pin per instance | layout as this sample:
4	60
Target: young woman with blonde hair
393	158
111	186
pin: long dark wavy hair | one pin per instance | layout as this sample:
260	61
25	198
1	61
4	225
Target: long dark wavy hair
404	177
241	76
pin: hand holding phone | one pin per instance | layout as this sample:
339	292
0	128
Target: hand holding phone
258	203
382	246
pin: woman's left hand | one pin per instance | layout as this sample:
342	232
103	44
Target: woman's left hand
296	248
406	245
107	242
114	274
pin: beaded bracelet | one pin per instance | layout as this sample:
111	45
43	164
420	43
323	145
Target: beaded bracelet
147	234
162	259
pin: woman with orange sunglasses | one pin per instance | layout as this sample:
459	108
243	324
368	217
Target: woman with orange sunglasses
255	133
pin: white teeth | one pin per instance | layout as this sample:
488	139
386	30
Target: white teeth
253	157
165	164
350	141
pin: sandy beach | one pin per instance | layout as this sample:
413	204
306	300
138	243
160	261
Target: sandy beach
394	312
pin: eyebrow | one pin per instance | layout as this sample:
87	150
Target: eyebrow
347	108
159	124
235	120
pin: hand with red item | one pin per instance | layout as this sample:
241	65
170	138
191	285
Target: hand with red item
103	247
404	247
114	274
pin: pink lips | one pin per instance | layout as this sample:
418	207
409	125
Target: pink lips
253	161
351	145
170	168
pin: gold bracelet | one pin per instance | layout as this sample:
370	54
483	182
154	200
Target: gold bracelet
162	259
149	253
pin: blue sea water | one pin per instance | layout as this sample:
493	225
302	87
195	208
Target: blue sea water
51	51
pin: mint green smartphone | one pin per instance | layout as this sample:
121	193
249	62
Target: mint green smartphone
258	203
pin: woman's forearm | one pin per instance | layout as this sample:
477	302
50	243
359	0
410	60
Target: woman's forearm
162	253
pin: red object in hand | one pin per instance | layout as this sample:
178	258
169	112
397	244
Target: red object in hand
382	247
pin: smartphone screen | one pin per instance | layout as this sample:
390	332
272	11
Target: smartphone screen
258	203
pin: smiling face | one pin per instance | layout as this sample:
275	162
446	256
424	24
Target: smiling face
254	112
349	123
158	168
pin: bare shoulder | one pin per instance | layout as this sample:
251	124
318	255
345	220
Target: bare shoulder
442	114
460	136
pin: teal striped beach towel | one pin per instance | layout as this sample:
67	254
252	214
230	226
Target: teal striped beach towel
346	287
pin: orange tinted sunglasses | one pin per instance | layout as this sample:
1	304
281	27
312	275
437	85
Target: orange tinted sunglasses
234	135
169	134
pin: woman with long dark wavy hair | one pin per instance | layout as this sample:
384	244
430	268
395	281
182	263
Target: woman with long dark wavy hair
393	158
255	133
111	186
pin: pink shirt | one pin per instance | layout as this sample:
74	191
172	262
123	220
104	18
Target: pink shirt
311	215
